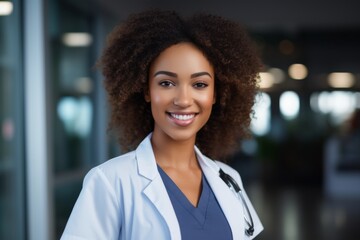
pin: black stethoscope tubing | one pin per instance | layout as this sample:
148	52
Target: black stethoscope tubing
249	231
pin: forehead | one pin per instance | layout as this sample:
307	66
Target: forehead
183	56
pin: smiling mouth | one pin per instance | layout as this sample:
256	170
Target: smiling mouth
182	117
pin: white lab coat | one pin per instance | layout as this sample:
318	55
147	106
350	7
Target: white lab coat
125	198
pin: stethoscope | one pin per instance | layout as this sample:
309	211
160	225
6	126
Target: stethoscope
249	231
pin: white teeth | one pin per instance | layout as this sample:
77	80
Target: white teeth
182	117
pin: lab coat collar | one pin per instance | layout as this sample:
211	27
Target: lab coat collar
146	159
157	194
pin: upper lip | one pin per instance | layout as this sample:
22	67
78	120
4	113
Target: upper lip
183	113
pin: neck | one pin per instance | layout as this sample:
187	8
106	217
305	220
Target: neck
174	154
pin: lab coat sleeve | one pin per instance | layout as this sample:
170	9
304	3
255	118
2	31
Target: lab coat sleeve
96	214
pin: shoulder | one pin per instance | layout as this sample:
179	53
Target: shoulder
119	163
114	168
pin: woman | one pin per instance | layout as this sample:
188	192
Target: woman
181	91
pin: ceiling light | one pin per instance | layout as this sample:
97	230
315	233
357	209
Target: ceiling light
267	80
341	79
298	71
279	75
289	104
77	39
6	8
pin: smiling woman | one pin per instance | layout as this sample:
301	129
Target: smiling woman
181	91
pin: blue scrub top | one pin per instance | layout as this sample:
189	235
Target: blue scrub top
206	221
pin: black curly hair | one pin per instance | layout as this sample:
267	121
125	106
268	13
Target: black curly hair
133	45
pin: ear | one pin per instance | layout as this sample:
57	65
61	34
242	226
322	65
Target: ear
147	95
214	100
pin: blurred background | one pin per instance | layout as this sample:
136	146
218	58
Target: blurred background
301	169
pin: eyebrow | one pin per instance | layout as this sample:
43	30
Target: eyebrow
199	74
171	74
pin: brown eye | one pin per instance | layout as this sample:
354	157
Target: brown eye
166	83
200	85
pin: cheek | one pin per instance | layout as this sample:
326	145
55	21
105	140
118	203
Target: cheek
207	100
159	100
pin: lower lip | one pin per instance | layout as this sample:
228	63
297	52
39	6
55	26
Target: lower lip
182	123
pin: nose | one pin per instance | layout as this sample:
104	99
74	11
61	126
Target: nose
183	97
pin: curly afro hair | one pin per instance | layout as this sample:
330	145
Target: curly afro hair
132	47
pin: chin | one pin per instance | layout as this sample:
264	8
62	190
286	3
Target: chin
182	135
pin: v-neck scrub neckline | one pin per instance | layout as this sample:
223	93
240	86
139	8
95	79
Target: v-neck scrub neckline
199	212
206	221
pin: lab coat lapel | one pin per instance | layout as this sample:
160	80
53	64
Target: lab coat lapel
155	190
157	194
230	205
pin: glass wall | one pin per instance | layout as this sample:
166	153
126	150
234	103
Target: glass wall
73	101
12	190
